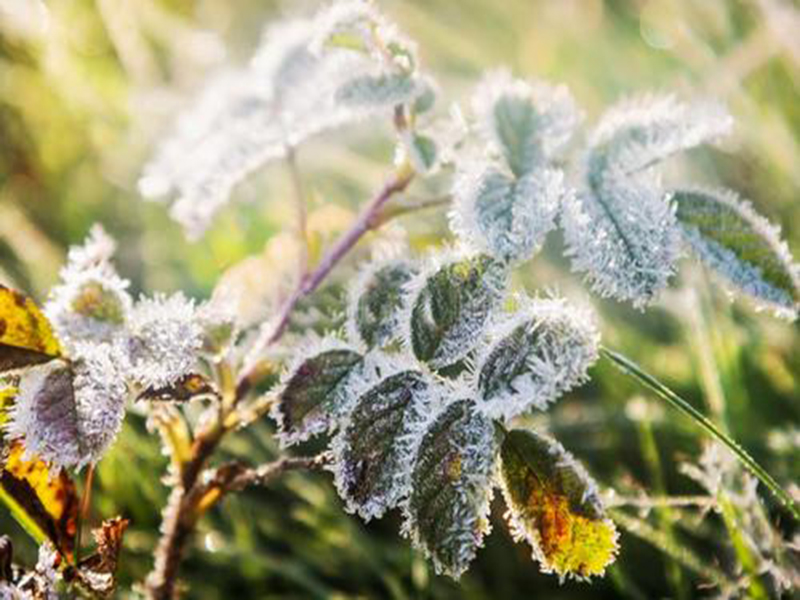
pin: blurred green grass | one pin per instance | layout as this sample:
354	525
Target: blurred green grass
83	101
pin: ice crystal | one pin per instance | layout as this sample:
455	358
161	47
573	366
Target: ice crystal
620	228
92	302
507	192
316	389
376	301
447	511
373	449
100	392
44	414
527	122
742	246
533	356
296	85
449	304
502	215
163	340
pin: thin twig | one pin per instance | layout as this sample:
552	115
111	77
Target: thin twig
367	220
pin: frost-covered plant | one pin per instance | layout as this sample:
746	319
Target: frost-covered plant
424	391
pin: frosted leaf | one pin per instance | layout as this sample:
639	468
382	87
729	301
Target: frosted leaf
376	301
505	216
620	229
554	505
193	386
92	302
640	132
623	238
733	240
381	90
527	121
44	414
250	116
163	340
449	304
421	151
447	510
534	356
316	390
372	452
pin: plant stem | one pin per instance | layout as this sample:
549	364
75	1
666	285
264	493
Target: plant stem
629	367
367	220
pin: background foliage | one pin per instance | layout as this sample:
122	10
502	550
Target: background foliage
86	87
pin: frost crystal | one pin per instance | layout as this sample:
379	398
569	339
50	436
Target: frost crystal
620	229
449	304
373	450
316	389
507	194
92	302
554	505
100	392
299	83
447	510
44	414
163	340
503	216
376	301
527	122
532	357
733	240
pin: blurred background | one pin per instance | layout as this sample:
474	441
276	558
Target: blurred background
88	87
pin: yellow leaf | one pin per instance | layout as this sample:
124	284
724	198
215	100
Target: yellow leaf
553	505
26	337
43	502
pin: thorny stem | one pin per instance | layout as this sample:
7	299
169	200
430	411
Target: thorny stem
629	367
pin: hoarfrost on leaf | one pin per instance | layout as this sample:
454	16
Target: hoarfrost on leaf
449	304
620	229
447	510
163	340
296	85
505	216
554	505
376	301
743	247
92	302
533	356
316	389
373	450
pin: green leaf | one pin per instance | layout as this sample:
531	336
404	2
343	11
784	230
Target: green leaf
377	302
505	216
373	450
451	487
315	390
422	153
534	356
554	505
743	247
451	307
377	90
